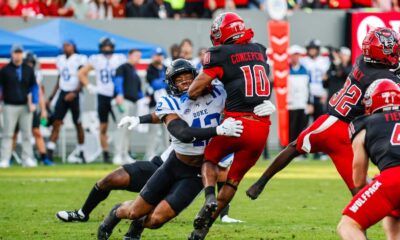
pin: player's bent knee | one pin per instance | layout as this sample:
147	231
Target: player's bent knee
114	180
157	221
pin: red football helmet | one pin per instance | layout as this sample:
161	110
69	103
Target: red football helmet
381	45
227	28
380	94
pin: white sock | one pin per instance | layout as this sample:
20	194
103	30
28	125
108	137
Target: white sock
81	213
51	145
80	147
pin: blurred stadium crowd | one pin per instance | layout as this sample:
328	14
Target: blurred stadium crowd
316	72
162	9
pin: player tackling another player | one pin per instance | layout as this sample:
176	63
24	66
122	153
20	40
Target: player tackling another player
242	67
376	136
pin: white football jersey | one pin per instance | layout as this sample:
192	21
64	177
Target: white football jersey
105	68
317	68
68	70
204	112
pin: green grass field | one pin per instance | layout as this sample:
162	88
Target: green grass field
303	202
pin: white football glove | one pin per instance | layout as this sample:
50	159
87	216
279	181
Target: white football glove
92	89
264	109
230	127
131	122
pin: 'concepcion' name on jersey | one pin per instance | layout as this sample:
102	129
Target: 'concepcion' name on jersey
346	104
382	139
202	113
105	68
243	70
68	68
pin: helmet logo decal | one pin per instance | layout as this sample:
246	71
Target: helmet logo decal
387	39
215	28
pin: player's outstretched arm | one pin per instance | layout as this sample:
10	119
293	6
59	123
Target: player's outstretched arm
279	163
200	83
181	130
133	121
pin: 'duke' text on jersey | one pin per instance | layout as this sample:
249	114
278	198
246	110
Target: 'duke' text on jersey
246	56
200	113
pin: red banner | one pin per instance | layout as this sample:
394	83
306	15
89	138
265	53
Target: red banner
279	43
361	23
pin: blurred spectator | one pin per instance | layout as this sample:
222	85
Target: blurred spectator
156	75
118	8
134	8
340	4
186	49
194	8
18	82
11	8
338	71
177	7
317	66
51	8
157	9
128	90
298	103
100	9
198	61
79	9
174	51
31	8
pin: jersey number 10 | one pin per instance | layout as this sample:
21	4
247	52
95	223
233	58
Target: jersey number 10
256	79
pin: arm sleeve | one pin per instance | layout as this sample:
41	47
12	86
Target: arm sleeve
356	126
181	130
119	81
35	93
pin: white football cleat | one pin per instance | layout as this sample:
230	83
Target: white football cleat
4	164
227	219
29	162
118	160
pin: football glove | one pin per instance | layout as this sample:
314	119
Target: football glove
130	122
264	109
230	127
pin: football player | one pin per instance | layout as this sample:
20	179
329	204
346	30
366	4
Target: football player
177	182
105	64
69	87
242	67
375	136
329	134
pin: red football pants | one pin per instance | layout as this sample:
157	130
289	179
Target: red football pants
330	135
247	148
376	200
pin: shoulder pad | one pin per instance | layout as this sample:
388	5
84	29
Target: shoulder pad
167	105
356	126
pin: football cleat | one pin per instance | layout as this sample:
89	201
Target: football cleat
255	190
103	233
48	162
199	234
227	219
135	230
72	216
203	218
